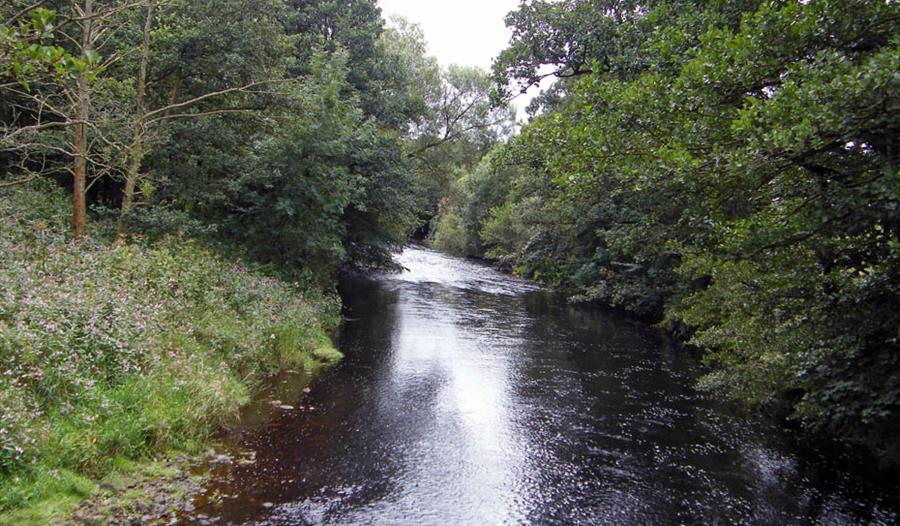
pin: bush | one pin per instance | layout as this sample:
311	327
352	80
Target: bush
449	234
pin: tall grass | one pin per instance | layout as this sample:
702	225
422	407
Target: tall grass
110	353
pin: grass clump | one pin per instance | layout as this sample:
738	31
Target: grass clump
128	352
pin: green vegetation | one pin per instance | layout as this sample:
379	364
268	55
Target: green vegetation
129	352
222	160
728	167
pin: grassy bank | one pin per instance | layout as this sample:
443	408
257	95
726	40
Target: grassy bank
110	355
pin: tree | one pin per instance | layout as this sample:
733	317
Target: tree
460	127
25	54
461	110
88	95
729	167
147	119
568	39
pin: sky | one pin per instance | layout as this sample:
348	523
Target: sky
464	32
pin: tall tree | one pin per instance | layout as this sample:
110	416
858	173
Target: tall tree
148	120
66	99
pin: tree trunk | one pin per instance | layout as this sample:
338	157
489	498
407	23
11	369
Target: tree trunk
131	179
79	175
80	142
136	150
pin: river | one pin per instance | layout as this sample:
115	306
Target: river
472	397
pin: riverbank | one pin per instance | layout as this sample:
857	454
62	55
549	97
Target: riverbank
113	357
471	397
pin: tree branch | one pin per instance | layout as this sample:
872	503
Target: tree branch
166	109
24	12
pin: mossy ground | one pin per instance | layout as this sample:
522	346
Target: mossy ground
147	493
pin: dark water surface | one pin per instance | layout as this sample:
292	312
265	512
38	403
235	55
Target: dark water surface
469	397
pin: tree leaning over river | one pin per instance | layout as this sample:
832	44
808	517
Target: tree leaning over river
730	167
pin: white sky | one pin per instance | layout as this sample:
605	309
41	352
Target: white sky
464	32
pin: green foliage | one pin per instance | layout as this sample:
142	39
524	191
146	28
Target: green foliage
415	75
730	166
26	47
324	180
130	352
291	132
295	183
458	127
449	234
466	224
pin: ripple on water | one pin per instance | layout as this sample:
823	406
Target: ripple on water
472	397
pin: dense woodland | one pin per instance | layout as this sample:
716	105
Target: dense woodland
299	122
727	168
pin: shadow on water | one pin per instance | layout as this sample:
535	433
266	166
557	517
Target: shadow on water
470	397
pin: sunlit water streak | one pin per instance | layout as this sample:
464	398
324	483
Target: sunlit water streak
471	397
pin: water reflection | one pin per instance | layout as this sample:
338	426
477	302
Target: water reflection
469	397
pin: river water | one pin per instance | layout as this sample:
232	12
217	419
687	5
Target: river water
471	397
